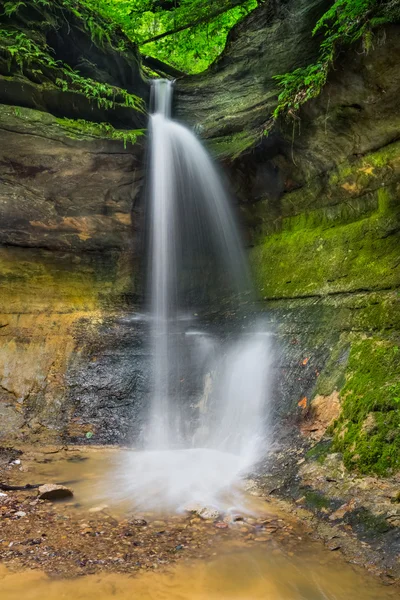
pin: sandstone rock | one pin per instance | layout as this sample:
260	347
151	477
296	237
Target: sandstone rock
51	491
324	410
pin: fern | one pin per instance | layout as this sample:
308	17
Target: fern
27	53
12	7
346	22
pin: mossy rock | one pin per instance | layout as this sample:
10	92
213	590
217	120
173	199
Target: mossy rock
368	430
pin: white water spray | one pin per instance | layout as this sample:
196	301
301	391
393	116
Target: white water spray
207	420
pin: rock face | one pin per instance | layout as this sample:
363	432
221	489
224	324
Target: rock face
71	175
232	101
320	197
67	260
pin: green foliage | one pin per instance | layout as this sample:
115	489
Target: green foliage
77	127
18	47
105	95
344	23
12	7
299	86
196	29
36	55
368	430
191	50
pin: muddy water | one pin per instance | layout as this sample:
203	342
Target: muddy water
240	575
125	481
240	568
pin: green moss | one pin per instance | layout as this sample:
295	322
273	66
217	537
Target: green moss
337	235
320	451
80	128
232	146
368	430
316	500
304	262
367	523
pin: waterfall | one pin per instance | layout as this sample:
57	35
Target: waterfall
207	417
193	238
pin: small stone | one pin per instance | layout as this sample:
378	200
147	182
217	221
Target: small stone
221	525
96	509
158	524
51	491
20	513
139	522
232	518
395	499
204	512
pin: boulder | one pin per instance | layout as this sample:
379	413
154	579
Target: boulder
51	491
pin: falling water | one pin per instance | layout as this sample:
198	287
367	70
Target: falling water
207	416
193	238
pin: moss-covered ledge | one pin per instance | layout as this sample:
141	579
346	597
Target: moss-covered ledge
34	122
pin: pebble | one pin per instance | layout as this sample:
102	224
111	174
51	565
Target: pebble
158	524
99	508
20	513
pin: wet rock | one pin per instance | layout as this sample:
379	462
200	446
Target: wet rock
96	509
342	510
52	491
232	518
204	512
139	522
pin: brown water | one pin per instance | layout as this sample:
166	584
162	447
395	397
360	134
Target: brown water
238	570
245	575
124	481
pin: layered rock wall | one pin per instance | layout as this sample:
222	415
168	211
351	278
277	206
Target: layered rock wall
68	263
